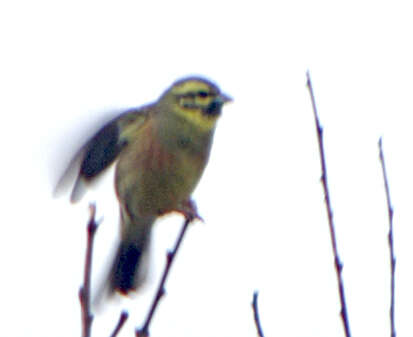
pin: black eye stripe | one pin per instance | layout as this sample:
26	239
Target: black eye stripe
201	93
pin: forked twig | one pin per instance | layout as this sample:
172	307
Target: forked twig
390	240
84	291
338	263
256	314
170	256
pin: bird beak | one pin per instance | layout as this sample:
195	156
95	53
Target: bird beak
224	98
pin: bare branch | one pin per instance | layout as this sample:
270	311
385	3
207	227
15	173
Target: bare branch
338	264
122	319
84	291
256	314
170	256
390	238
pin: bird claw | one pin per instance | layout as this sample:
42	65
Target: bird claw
190	211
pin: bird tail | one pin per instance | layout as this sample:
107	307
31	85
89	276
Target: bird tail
129	268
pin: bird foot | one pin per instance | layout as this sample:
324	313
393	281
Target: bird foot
189	210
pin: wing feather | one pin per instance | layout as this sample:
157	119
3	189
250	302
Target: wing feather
100	152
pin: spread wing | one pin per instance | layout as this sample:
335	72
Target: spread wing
101	151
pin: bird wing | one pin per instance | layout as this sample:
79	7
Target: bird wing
101	150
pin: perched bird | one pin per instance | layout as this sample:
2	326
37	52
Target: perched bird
161	151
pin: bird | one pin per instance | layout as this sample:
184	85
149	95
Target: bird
161	150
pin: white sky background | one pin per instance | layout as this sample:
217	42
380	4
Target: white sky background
64	66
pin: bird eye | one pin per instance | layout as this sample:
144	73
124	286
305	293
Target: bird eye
203	94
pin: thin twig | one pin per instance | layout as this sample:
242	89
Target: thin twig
256	314
390	238
122	319
84	291
170	256
338	264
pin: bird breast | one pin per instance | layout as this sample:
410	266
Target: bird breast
154	175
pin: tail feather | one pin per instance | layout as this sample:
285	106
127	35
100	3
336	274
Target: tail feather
126	267
130	265
129	268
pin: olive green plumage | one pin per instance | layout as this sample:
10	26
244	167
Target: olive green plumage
161	151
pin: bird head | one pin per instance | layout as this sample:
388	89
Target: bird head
197	100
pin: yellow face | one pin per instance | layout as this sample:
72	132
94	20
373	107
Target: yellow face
198	101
